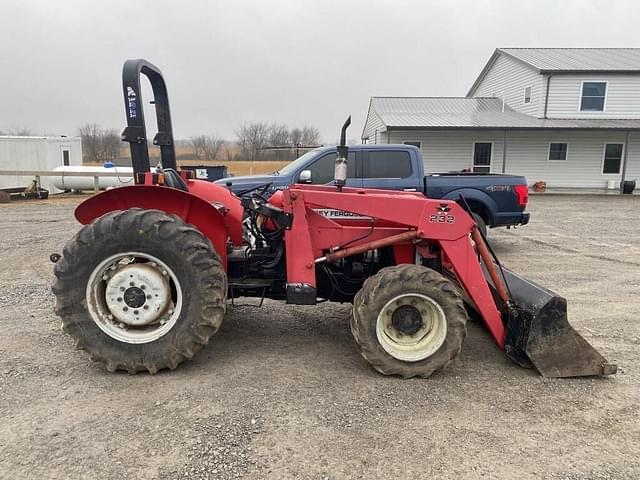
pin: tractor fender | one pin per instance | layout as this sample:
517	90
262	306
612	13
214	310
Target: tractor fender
478	197
211	221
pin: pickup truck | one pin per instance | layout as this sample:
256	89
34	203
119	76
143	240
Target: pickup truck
496	200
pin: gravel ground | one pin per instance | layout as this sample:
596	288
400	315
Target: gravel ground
281	392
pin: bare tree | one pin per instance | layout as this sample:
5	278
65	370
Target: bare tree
279	135
296	136
310	135
212	145
196	144
90	136
206	147
110	145
252	138
229	151
99	144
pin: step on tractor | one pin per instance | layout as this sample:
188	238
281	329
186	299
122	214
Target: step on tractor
145	284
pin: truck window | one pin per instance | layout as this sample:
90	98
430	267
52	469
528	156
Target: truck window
388	164
322	170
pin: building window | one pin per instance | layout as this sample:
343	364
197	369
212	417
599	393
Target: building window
527	95
558	151
593	96
612	158
65	158
415	144
482	153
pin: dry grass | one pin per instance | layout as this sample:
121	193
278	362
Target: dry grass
184	156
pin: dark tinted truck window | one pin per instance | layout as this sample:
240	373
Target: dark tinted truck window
323	169
388	164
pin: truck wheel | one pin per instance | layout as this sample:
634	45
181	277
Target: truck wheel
482	225
409	321
140	290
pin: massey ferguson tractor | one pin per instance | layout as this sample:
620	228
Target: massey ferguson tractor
145	284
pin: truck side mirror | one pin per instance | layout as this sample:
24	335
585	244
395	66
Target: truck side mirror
305	176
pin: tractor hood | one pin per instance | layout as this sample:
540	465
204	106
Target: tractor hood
248	182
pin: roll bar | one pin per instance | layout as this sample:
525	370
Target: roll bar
136	132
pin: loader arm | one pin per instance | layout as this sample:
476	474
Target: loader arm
530	325
444	222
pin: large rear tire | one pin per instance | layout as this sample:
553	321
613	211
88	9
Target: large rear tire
140	290
409	321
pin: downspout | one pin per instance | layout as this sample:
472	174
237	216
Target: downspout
546	96
624	160
388	136
504	151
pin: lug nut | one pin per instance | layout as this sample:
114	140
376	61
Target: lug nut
122	289
146	307
124	309
131	284
148	297
135	312
119	299
143	287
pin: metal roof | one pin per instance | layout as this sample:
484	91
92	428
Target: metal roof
578	59
37	137
473	112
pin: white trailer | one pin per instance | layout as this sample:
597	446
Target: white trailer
37	153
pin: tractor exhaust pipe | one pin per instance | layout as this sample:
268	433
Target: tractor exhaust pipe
340	173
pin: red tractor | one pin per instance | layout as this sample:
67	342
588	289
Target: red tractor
145	283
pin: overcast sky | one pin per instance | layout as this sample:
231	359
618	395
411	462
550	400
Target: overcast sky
294	62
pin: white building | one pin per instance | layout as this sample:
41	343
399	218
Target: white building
36	153
569	117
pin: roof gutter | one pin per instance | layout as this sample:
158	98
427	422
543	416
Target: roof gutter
546	96
511	127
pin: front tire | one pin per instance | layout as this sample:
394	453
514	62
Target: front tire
409	321
140	290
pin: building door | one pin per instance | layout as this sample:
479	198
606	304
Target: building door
482	153
65	156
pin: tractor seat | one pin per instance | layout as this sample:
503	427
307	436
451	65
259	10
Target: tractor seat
173	179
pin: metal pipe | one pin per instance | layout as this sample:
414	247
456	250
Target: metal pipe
546	96
504	151
483	250
624	162
365	247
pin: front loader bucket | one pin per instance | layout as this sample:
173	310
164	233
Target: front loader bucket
541	333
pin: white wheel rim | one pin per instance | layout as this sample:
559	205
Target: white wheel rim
134	297
411	327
